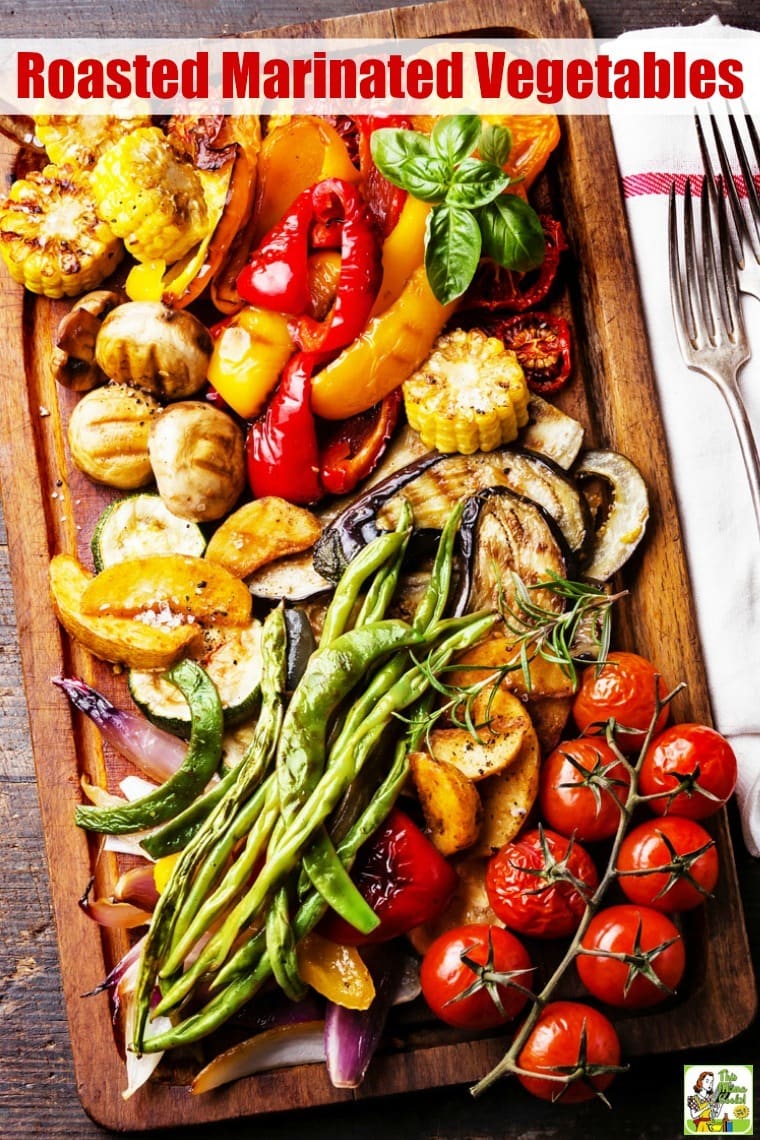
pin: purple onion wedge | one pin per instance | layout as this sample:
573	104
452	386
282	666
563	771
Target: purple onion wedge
156	753
353	1035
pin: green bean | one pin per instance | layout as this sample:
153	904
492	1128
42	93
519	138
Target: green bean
201	909
284	854
433	603
383	585
330	675
176	833
204	753
210	847
281	947
250	969
328	875
368	561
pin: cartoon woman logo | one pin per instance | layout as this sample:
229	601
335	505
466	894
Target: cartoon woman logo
704	1105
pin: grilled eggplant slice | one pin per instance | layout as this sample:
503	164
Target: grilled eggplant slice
552	433
502	537
623	528
433	485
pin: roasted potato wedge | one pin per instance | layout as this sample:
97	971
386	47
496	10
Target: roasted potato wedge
449	800
508	797
502	722
261	531
186	585
547	679
120	640
549	716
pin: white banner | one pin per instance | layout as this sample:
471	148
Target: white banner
127	77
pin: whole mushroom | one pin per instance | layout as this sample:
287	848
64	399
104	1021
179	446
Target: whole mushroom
148	345
73	358
198	460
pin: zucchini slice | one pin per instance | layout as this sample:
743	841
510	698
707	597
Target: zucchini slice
234	666
141	525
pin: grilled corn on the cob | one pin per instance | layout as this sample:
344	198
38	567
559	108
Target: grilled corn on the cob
51	236
150	197
81	139
469	395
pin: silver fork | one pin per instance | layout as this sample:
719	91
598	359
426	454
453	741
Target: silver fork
708	320
745	209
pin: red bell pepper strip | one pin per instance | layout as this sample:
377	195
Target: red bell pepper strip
355	449
360	268
329	212
275	276
385	200
282	449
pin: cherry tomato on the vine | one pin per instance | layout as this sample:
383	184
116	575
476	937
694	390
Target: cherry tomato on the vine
583	785
530	884
694	766
476	976
568	1038
649	947
623	688
674	863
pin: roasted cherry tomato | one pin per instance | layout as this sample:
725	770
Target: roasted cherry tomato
541	343
648	961
568	1039
694	766
476	976
528	884
623	688
495	288
404	879
583	785
670	864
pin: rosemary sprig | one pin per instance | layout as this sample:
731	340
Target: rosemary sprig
581	630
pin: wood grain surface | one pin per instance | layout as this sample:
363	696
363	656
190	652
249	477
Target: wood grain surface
37	1086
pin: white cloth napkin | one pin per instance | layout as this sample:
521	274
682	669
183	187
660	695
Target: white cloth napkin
722	545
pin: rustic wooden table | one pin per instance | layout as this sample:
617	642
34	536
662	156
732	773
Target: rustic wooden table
37	1091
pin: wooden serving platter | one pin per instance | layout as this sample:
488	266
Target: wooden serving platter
50	507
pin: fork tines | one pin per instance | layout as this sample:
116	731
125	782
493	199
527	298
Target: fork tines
743	200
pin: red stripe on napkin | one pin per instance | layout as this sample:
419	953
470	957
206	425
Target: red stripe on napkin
634	185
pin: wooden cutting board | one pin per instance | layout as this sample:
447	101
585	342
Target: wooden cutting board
50	507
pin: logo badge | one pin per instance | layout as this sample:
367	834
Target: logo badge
718	1098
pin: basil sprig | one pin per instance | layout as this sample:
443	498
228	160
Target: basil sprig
471	215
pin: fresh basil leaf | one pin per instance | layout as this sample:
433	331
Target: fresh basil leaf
425	178
512	233
476	183
391	147
455	137
495	144
452	251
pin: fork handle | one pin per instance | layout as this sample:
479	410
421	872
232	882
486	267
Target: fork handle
746	443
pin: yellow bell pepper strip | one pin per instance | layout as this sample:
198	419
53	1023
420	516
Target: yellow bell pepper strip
299	153
391	347
276	276
282	449
403	252
250	351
